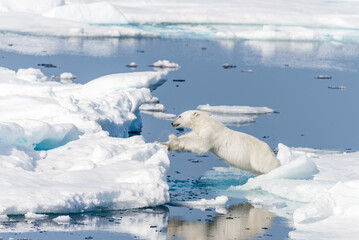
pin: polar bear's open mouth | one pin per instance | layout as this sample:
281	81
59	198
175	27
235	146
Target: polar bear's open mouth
175	124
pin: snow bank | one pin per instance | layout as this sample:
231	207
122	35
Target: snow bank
57	149
257	20
318	190
235	115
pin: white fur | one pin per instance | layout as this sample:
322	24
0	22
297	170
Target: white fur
237	149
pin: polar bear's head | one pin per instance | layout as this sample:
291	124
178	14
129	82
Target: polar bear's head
186	119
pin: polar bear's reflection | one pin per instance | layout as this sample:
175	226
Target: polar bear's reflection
241	222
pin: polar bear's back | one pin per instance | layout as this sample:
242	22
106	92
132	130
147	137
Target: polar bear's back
245	152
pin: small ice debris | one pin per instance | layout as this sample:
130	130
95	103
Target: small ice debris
178	80
153	107
35	216
323	77
227	65
48	65
247	70
140	51
164	64
132	65
337	87
64	219
203	204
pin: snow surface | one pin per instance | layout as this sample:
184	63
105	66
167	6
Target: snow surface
57	139
302	20
317	190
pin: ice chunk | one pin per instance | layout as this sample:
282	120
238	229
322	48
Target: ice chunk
35	216
56	139
65	219
165	64
31	74
131	65
234	115
152	107
245	110
218	201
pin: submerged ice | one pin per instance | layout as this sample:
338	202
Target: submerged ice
58	152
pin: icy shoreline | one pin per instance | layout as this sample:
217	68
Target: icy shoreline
66	144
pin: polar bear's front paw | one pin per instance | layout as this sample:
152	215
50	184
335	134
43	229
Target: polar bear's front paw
172	137
173	143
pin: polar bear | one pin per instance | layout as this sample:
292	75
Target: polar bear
235	148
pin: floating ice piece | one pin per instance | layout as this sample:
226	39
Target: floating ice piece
219	202
35	216
160	115
245	110
337	87
165	64
227	65
323	77
132	65
65	219
234	115
247	70
152	107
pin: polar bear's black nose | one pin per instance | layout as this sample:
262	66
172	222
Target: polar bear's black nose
174	124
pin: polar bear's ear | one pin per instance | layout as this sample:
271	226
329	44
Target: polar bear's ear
195	114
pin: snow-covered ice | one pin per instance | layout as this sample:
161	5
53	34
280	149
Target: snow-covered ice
64	219
259	20
58	140
316	190
164	64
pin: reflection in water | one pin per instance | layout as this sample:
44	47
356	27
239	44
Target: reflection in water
240	222
141	223
321	55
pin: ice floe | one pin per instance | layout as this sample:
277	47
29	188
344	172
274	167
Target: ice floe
57	149
235	115
257	20
317	190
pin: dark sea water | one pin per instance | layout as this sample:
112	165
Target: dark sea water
283	78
